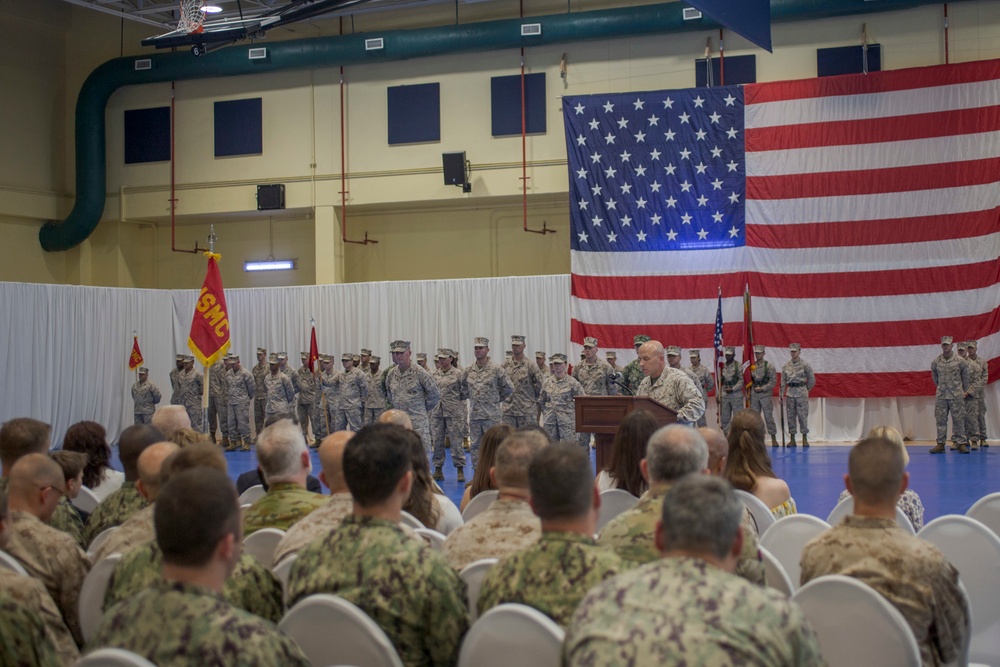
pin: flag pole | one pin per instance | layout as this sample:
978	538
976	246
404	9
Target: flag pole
135	337
204	389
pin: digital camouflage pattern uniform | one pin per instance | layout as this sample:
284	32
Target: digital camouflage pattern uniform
329	385
218	390
284	505
907	571
242	389
414	392
175	384
28	593
191	385
765	378
145	396
114	510
450	419
521	409
558	407
732	390
676	390
595	380
306	400
506	527
176	625
408	589
704	382
487	387
24	638
351	401
251	586
376	404
797	380
259	371
319	522
684	611
975	402
67	519
632	374
137	530
279	394
951	377
552	575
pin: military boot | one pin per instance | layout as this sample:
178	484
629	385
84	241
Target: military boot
230	446
963	448
244	445
461	473
225	441
791	440
938	448
805	441
438	474
973	443
774	441
467	444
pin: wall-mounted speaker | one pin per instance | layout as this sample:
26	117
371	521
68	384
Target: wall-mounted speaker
270	197
454	168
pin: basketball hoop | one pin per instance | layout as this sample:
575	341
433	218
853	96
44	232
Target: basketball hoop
192	17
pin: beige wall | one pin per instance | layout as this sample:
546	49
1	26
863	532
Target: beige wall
425	229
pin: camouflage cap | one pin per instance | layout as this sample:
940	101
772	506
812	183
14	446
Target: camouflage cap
143	370
557	359
759	349
729	349
273	359
421	356
357	359
517	340
611	354
640	339
946	340
673	351
509	353
962	345
282	356
365	352
375	359
399	346
304	355
972	345
181	357
443	353
481	341
227	358
590	341
794	347
261	350
694	353
539	355
234	357
323	358
189	359
347	356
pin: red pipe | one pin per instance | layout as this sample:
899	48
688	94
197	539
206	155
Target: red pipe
946	33
173	197
343	164
722	60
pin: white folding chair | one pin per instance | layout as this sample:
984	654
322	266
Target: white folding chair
986	511
261	545
281	572
761	513
774	574
473	574
434	539
86	501
100	539
479	503
786	538
512	634
332	631
846	507
11	563
95	584
613	503
252	495
408	519
855	625
975	552
112	657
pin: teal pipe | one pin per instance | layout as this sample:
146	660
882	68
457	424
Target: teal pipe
91	160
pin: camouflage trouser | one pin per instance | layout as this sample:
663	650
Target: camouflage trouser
762	402
304	413
372	415
797	409
972	418
453	428
218	412
239	421
731	404
194	414
517	421
258	415
561	427
956	406
477	429
350	419
143	419
422	427
703	420
981	414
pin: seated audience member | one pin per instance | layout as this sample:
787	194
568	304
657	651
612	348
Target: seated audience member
284	459
628	448
868	545
182	619
171	418
687	608
138	528
397	417
22	643
68	518
49	555
187	436
481	480
251	587
673	452
91	439
555	573
19	437
326	518
256	478
508	525
407	588
748	467
126	501
909	502
427	502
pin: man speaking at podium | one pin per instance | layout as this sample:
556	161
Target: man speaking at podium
671	387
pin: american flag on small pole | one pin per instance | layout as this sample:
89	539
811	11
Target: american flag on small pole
719	357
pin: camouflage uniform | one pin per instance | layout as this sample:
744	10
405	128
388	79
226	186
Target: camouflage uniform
631	536
975	402
552	575
259	372
632	375
506	527
350	402
191	388
285	504
951	377
375	403
145	395
907	571
114	510
242	389
53	558
487	387
732	392
521	409
705	383
676	390
765	377
558	407
176	625
24	637
595	380
306	400
329	385
251	586
137	529
450	418
175	386
279	394
414	392
67	519
684	611
408	589
29	593
797	380
218	390
319	522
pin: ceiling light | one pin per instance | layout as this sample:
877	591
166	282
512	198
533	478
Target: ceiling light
211	9
270	265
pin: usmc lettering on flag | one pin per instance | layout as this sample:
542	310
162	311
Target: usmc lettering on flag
209	339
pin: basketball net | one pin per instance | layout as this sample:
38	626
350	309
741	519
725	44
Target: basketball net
192	16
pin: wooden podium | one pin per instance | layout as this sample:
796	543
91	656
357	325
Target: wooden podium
601	416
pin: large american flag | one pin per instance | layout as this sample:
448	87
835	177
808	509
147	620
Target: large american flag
862	211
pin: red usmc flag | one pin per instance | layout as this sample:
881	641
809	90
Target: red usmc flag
209	337
135	359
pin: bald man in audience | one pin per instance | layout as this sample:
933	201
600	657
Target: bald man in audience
251	587
673	452
508	525
138	528
397	417
907	571
50	555
284	460
170	419
126	500
29	594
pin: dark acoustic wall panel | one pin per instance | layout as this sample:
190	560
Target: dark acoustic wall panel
239	127
739	69
847	60
414	113
147	135
506	104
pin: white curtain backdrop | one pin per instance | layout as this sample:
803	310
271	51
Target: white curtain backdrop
65	348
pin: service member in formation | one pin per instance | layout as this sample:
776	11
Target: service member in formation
366	358
705	380
278	390
259	372
191	383
218	401
950	373
594	375
556	401
541	363
450	419
612	358
632	374
674	361
410	388
145	395
375	404
671	387
975	400
292	375
764	378
327	396
422	361
731	382
306	399
797	380
487	386
521	409
175	381
352	396
242	388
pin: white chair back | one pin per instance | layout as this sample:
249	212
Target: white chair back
846	507
473	574
762	515
95	584
775	575
479	504
11	563
434	539
281	572
512	634
986	511
408	519
99	540
86	501
855	625
785	539
112	657
261	545
332	631
252	495
613	503
975	552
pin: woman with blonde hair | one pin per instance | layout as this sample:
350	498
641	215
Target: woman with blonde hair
748	466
